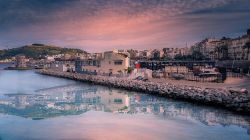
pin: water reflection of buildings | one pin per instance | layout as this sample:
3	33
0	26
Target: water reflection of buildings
90	97
77	99
70	98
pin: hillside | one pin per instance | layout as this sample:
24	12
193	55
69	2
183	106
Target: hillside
37	51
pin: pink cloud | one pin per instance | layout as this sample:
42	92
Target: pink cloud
95	26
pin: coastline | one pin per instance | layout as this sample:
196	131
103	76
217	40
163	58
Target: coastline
228	99
16	68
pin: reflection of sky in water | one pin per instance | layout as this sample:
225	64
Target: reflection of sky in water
27	82
63	109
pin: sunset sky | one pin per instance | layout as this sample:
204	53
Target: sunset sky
99	25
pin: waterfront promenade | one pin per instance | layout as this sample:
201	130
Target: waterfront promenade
230	99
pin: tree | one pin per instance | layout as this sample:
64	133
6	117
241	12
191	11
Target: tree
197	55
129	70
166	57
179	57
247	46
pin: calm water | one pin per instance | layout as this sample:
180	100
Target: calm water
35	106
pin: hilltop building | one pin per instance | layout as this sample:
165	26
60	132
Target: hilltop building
21	61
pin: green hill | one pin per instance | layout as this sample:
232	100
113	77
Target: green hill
38	51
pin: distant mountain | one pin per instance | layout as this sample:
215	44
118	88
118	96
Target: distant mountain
38	51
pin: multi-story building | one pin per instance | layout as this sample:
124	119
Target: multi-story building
172	52
134	54
96	55
184	51
145	54
236	49
88	66
225	48
112	62
157	54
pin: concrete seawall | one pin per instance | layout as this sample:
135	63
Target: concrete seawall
233	100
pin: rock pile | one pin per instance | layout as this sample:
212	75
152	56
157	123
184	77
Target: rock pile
237	101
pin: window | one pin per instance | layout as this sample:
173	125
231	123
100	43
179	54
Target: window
118	101
118	62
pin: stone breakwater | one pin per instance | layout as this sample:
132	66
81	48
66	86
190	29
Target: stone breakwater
233	100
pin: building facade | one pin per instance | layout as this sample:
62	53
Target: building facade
237	49
62	65
112	63
225	48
